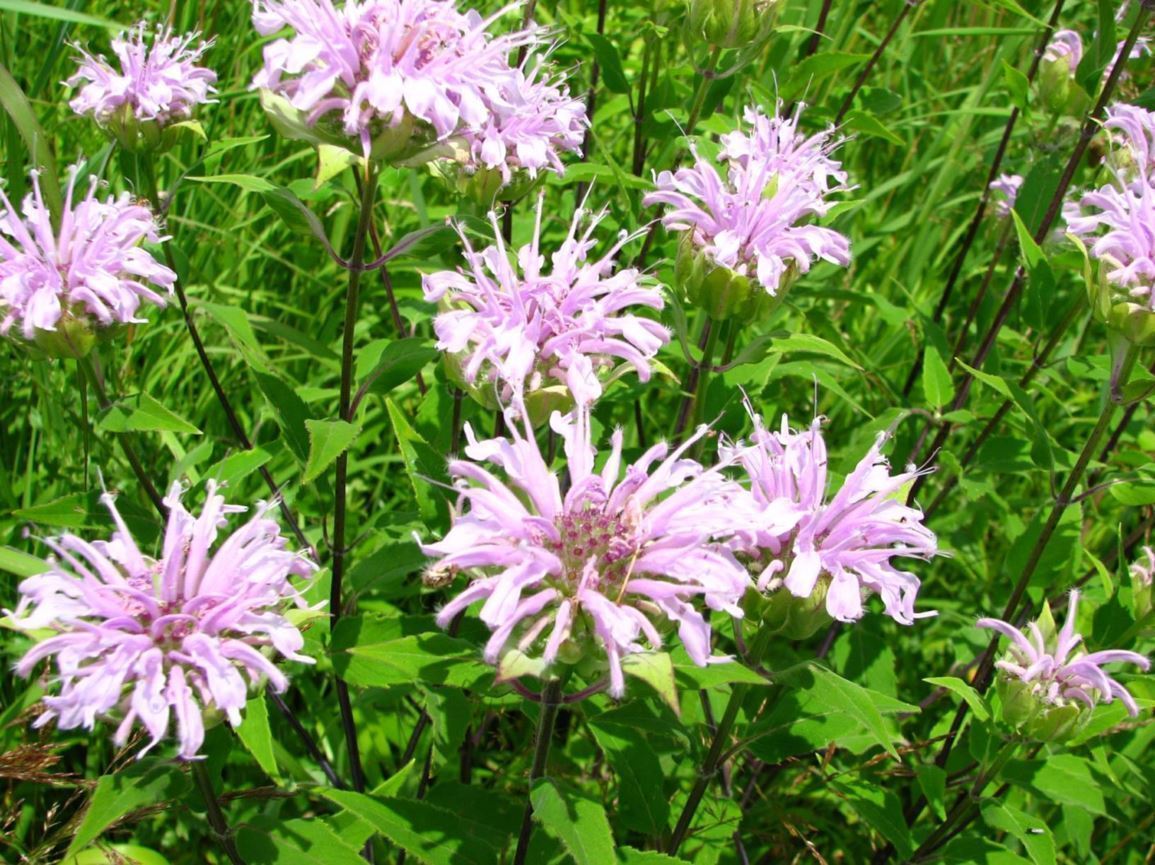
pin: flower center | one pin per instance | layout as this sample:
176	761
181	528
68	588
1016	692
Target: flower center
591	533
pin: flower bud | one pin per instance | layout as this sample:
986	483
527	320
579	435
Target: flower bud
1027	712
729	23
541	400
722	293
797	618
72	338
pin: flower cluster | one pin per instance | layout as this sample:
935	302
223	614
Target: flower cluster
521	328
1007	187
159	83
1053	673
1065	45
398	76
756	222
605	562
835	550
1116	219
150	641
92	270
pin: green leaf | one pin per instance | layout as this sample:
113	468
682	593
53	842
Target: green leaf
255	734
932	782
117	854
435	659
328	439
39	145
245	182
936	381
120	794
579	823
1018	86
1062	778
290	412
1031	832
630	856
881	810
142	413
857	702
13	561
236	467
331	161
642	805
868	124
657	670
957	686
399	362
610	63
67	511
422	463
57	13
818	67
311	841
430	834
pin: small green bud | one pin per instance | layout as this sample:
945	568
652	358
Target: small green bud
72	339
722	293
797	618
729	23
1030	714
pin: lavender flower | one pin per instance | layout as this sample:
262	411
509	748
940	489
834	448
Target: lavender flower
156	84
91	270
839	548
1141	47
381	71
756	222
1143	570
1007	188
1116	219
601	565
1065	45
1053	675
151	641
533	120
523	327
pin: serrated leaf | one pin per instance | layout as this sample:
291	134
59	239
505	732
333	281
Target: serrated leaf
331	161
245	182
256	735
610	63
118	795
430	834
881	810
290	412
236	467
142	413
310	841
1032	832
435	659
398	362
957	686
868	124
630	754
936	382
579	823
328	439
1018	86
932	782
422	463
631	856
657	670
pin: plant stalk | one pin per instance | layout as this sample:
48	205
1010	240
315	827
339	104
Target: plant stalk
352	303
220	828
551	700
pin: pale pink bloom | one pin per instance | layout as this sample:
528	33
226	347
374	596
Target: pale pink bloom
1065	45
376	65
92	267
849	539
158	641
1118	219
160	82
1007	189
1142	46
1055	674
533	120
538	322
600	565
1143	570
757	221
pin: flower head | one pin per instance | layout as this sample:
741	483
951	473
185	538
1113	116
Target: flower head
1116	220
387	73
599	566
533	120
526	326
756	222
1007	187
91	270
842	545
1143	570
1054	672
158	82
150	641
